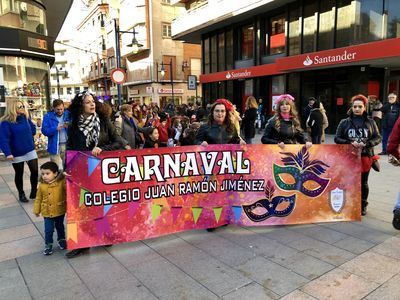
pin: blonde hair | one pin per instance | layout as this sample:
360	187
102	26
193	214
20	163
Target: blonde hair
293	113
126	107
10	113
251	102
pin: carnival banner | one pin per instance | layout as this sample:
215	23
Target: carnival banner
124	196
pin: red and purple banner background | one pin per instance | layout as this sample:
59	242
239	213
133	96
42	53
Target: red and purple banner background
125	196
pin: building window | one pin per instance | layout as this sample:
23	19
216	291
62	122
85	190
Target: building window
309	26
206	47
370	21
346	14
77	90
229	49
221	52
277	40
326	24
111	62
69	90
214	49
166	30
294	31
61	91
166	1
247	42
392	10
53	91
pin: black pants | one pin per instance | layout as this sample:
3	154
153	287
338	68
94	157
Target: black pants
19	174
364	186
316	139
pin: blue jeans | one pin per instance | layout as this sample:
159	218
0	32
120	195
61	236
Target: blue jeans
385	137
397	205
49	224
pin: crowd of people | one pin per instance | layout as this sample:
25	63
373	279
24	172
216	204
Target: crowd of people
91	125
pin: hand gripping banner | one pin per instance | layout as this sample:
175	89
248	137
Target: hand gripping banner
125	196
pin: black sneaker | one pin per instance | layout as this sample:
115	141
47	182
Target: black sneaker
75	253
32	195
62	244
48	250
22	197
396	218
210	229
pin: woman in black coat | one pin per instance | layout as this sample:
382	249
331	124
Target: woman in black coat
90	130
249	119
284	127
362	132
315	123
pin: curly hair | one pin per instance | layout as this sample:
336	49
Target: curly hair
230	127
293	114
76	107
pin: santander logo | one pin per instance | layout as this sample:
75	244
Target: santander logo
228	76
308	61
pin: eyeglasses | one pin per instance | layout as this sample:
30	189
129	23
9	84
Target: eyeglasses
21	106
219	111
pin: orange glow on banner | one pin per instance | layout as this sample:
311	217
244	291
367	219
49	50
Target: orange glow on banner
139	194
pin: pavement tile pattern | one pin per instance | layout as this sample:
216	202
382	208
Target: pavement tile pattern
353	260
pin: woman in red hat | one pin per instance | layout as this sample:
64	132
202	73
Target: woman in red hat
361	132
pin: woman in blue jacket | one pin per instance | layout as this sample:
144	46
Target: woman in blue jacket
16	141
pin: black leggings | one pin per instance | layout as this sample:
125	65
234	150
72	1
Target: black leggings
19	174
364	186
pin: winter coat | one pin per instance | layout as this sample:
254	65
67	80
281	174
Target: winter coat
315	122
248	122
287	133
51	198
108	139
127	131
347	132
216	134
394	140
391	112
49	129
16	139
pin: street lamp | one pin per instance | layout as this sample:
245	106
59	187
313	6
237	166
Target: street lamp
135	49
65	73
162	72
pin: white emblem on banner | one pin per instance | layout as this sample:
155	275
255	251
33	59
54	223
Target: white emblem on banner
337	200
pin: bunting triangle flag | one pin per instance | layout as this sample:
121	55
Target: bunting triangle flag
217	213
155	211
175	210
92	164
106	208
237	211
72	232
82	196
133	206
196	213
102	226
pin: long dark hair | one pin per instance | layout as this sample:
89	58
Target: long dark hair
76	107
227	122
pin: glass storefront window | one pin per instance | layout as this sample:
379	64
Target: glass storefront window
229	50
247	41
221	52
369	16
345	22
294	31
277	35
392	10
23	15
214	53
206	47
310	25
326	24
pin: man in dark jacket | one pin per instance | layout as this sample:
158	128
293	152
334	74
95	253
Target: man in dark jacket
391	112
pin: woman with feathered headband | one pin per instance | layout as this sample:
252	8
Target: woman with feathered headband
362	132
284	127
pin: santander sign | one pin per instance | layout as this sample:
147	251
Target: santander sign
326	59
238	74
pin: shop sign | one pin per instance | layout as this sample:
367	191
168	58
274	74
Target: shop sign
134	92
238	74
327	59
339	101
169	91
149	90
192	82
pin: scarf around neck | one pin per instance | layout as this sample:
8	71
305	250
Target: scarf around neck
285	116
90	128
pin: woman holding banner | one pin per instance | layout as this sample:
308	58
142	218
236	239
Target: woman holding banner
219	129
361	132
90	130
284	127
